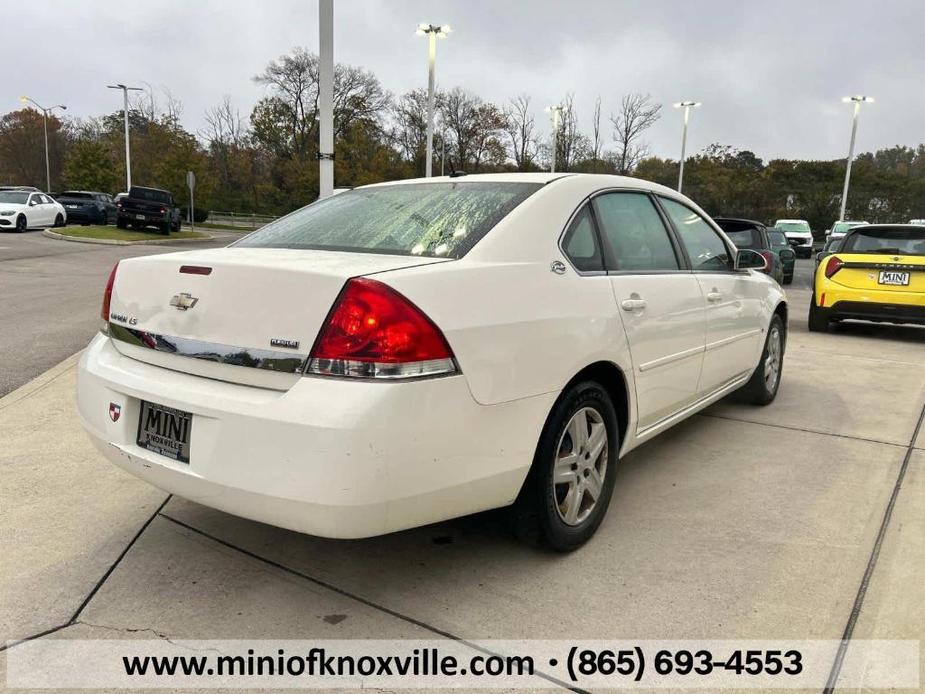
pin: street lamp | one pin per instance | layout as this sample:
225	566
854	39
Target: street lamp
857	101
432	31
687	106
555	112
45	112
128	154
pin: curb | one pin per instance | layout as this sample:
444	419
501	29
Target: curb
113	242
39	382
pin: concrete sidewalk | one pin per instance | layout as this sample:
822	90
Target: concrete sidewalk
740	523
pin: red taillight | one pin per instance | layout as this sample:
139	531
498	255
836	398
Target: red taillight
107	298
163	210
833	265
769	259
375	332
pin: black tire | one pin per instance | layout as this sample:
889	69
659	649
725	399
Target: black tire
59	220
540	511
165	228
21	224
788	279
121	223
762	387
818	320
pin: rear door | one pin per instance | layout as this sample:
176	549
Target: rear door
659	299
735	330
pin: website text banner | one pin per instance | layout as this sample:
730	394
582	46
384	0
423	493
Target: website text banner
527	664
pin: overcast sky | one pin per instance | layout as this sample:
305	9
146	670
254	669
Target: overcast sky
770	73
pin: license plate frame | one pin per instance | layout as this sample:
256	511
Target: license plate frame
140	216
164	430
894	278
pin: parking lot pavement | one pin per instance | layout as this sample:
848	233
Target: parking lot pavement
742	522
51	297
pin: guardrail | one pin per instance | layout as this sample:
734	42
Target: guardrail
247	220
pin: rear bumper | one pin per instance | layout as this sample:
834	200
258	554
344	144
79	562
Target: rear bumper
327	457
886	312
84	215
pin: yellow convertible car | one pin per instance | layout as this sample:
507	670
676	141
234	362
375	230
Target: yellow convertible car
877	274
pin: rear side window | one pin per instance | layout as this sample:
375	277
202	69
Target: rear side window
580	243
72	194
633	228
706	250
426	219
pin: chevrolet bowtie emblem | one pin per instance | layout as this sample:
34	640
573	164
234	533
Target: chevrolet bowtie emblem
183	301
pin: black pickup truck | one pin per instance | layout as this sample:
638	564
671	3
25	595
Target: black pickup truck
148	207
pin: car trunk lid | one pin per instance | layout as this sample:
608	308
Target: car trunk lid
215	313
881	272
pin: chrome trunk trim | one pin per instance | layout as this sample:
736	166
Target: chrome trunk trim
271	360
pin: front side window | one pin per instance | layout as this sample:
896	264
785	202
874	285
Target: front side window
706	250
426	219
632	227
580	243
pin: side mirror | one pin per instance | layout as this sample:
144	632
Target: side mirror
747	259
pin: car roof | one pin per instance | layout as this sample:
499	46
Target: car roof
542	178
791	221
88	192
159	190
739	220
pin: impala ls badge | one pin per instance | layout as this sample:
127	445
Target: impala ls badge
288	344
183	301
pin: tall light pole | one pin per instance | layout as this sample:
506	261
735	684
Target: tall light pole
432	31
45	112
687	106
128	154
857	101
555	113
326	98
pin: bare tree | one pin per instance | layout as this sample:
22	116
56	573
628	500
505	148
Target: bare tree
475	127
519	126
596	142
292	104
224	125
409	132
637	114
571	143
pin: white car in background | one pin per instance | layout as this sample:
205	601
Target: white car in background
799	235
21	210
839	229
404	353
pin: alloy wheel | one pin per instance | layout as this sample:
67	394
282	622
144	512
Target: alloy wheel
580	466
773	359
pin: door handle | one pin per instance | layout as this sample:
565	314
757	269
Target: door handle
713	297
633	304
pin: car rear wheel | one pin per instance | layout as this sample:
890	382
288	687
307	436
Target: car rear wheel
121	224
568	489
762	387
788	279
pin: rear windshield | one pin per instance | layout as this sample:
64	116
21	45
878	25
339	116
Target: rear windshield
427	219
777	238
13	197
149	194
792	226
845	226
69	194
896	240
745	238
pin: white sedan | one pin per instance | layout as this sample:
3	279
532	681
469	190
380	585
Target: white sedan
21	210
409	352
